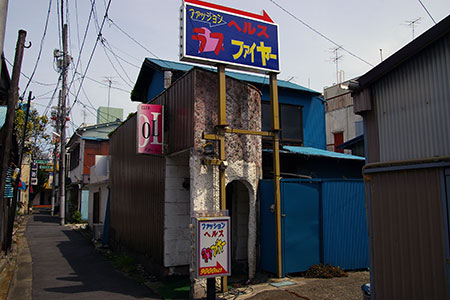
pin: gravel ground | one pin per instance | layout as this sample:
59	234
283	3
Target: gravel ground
343	288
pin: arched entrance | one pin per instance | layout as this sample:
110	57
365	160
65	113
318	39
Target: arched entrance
238	208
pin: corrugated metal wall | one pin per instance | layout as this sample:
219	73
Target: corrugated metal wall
338	205
178	101
413	106
408	251
137	195
344	224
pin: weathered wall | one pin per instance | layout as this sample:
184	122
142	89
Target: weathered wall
340	118
177	235
243	152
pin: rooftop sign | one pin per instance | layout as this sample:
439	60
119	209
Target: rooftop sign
216	34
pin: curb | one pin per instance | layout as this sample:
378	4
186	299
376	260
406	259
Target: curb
9	263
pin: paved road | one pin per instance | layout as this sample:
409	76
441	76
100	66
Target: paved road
66	266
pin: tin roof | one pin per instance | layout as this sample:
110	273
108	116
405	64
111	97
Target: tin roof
410	50
165	65
309	151
170	65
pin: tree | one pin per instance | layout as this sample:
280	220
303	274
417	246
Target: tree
35	134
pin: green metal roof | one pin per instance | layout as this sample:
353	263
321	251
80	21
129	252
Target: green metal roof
309	151
255	79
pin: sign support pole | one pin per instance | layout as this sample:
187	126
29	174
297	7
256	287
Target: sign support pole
221	133
276	167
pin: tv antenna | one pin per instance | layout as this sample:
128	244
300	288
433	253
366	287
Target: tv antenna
335	59
109	80
412	24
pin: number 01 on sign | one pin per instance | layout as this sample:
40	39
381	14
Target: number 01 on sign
212	251
150	129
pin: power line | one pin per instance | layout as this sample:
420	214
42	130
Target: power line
117	72
321	34
40	49
134	40
427	11
104	84
92	54
82	44
28	77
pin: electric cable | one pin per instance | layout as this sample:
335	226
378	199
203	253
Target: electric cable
92	54
427	11
40	49
321	34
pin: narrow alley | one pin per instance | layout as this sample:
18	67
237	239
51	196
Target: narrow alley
66	266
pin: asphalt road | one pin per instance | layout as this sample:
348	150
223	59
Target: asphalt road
66	266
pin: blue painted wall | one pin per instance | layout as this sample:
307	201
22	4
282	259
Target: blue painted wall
333	229
314	131
156	85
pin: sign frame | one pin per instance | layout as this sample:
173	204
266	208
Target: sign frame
260	19
215	264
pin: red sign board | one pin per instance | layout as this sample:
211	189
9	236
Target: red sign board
150	129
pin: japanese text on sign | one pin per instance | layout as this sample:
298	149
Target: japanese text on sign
213	247
243	42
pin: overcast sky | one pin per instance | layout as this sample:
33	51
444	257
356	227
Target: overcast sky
361	27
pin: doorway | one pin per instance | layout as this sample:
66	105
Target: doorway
238	209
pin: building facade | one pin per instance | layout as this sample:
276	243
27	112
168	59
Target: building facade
405	103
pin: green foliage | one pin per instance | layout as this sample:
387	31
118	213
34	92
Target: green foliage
42	177
35	134
76	217
324	271
122	262
176	287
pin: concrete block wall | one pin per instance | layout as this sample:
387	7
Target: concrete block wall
177	241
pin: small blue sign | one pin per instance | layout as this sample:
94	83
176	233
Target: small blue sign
229	36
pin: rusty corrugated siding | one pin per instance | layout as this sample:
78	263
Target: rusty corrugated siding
408	251
412	106
178	101
137	195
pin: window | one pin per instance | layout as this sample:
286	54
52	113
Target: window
75	157
291	122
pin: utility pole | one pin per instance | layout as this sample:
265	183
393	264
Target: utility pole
62	115
62	152
13	95
55	153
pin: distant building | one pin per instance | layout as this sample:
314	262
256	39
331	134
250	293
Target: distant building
109	114
343	125
83	146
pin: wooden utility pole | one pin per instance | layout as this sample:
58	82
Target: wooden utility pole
13	96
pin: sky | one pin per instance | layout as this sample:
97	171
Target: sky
135	29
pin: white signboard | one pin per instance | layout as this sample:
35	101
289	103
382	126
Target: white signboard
213	247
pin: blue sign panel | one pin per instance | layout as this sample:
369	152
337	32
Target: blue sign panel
215	34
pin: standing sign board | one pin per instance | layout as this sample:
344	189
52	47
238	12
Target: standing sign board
213	247
150	129
34	171
216	34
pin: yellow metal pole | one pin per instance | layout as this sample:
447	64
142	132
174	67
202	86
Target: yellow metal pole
276	167
221	134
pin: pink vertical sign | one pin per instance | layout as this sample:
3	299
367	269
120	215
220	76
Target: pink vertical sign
150	129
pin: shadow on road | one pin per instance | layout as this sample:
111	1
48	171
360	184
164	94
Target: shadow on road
75	268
